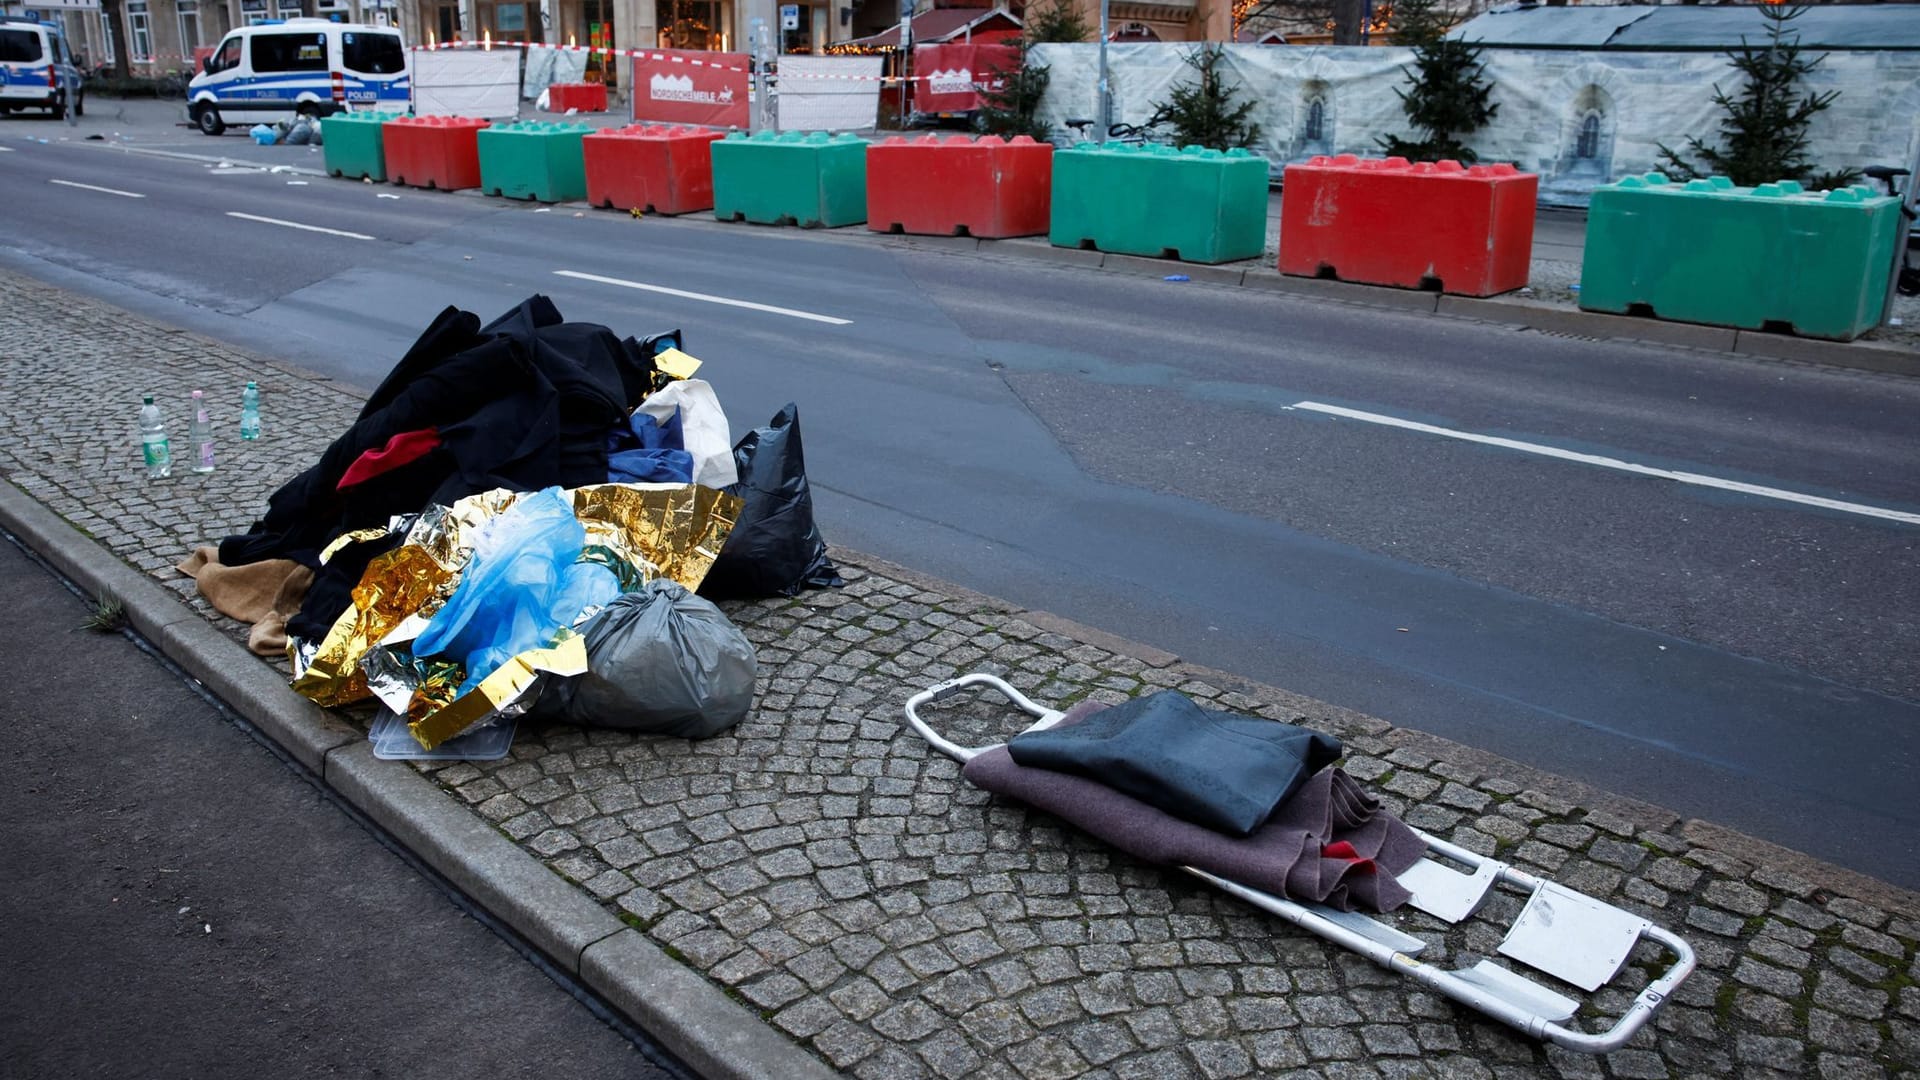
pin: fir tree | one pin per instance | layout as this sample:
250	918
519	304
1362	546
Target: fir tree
1448	98
1007	109
1055	22
1204	113
1765	127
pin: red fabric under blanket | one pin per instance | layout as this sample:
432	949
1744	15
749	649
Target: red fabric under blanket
1329	843
403	449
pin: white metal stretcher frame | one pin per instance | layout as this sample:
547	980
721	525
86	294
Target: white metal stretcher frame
1567	934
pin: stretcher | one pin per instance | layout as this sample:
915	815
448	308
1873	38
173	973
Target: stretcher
1574	938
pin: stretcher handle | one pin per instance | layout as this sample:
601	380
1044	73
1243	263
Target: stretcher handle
941	691
1645	1003
1450	985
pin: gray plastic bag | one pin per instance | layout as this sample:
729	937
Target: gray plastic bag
661	661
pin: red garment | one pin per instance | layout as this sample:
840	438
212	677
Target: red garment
403	449
1341	849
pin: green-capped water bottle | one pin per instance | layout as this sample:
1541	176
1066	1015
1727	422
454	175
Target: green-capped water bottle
250	412
153	441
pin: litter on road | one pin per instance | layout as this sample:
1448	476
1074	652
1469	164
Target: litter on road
1257	809
521	515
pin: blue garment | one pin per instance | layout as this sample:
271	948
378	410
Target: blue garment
644	452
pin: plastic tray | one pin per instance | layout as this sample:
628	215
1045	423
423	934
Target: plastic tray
488	742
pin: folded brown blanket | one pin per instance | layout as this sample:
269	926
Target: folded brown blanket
263	594
1329	843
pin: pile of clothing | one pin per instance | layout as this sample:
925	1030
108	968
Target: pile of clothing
300	131
529	511
1251	800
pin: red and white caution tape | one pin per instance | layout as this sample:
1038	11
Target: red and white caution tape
645	54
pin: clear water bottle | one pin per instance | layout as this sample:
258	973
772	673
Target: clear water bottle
153	441
250	412
201	435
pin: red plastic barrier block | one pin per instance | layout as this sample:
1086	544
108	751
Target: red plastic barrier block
1434	225
433	151
584	97
937	186
661	168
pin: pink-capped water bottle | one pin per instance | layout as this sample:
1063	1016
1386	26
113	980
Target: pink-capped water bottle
200	434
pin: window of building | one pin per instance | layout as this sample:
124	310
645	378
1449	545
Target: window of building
139	32
693	24
1316	120
1589	144
189	24
288	52
107	37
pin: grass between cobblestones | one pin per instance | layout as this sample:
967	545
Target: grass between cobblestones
826	870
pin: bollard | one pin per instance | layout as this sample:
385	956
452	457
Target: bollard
1196	204
1772	257
935	186
654	168
1440	225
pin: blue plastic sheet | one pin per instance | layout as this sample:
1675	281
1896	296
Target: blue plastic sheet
523	583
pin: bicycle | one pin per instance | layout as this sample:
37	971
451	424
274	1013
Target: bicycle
1907	279
1124	134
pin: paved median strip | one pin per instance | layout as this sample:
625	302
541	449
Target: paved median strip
1698	479
298	225
96	187
791	313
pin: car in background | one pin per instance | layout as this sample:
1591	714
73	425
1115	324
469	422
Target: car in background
309	67
37	70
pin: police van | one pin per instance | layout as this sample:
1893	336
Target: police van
271	71
37	69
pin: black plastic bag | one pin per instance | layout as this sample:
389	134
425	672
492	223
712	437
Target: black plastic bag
774	549
1218	769
660	661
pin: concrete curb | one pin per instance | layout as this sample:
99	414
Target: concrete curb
691	1017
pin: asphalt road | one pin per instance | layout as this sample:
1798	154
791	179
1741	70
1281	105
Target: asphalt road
1160	460
180	904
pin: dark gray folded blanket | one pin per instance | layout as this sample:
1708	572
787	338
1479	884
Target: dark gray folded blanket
1219	769
1330	843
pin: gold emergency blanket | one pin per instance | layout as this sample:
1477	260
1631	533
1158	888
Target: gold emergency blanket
638	531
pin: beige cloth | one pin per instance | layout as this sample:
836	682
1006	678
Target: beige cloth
264	594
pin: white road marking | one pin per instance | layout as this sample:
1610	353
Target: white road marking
1697	479
683	294
6	149
92	187
297	225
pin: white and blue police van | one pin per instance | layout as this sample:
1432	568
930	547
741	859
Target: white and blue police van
37	69
272	71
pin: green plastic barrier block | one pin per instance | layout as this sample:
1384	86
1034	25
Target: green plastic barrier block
533	159
1767	257
814	181
1195	204
353	145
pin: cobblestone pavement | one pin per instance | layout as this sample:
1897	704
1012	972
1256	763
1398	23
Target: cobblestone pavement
833	875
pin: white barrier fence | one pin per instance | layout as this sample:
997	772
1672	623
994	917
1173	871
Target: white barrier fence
829	93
